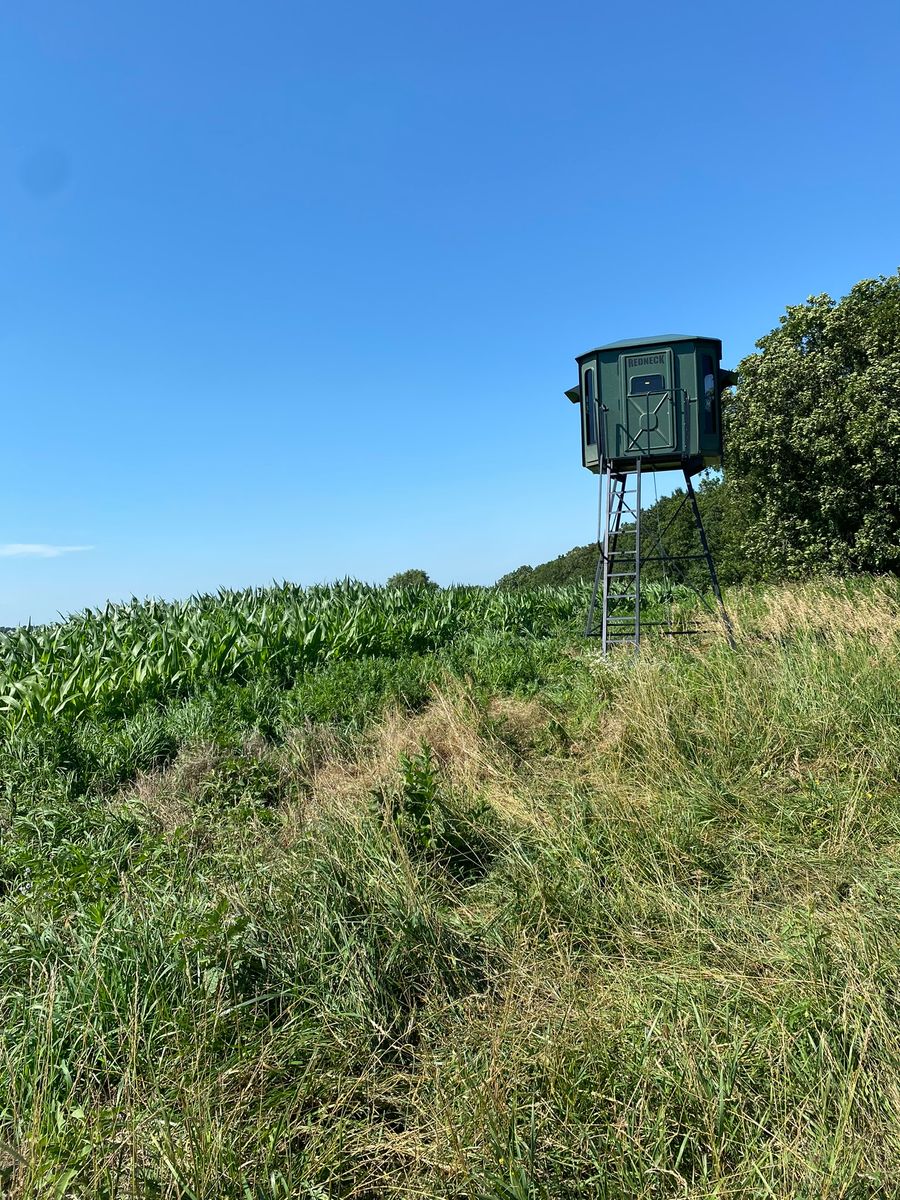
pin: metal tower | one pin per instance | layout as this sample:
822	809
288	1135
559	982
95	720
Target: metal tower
622	554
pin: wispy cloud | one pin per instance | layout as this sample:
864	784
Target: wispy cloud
37	550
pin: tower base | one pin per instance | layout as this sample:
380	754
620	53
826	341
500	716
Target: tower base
617	580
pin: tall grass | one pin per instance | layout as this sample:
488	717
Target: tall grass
552	926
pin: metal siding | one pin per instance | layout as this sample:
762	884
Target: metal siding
612	400
609	397
687	374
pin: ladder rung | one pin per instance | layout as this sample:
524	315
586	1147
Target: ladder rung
626	620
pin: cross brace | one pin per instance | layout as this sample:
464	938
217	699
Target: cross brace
617	580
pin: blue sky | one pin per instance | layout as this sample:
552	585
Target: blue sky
294	290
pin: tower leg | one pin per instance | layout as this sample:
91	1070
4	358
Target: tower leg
714	578
637	557
602	526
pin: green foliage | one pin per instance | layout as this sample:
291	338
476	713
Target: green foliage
260	663
240	779
410	579
721	509
420	799
813	435
350	691
575	566
671	521
451	833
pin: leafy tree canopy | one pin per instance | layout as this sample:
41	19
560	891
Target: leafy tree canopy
410	579
813	435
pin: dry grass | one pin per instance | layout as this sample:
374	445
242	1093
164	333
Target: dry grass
833	610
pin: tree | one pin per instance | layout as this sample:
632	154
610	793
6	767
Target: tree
813	435
410	579
521	577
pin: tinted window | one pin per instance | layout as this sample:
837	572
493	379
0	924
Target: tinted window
710	407
590	407
642	385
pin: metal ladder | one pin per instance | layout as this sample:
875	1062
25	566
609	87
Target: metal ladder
618	576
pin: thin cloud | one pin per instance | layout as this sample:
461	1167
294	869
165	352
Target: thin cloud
37	550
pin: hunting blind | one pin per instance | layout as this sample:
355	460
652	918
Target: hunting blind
656	398
647	404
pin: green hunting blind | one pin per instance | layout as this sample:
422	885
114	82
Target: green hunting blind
647	404
655	398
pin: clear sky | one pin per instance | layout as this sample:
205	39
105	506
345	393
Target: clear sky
293	290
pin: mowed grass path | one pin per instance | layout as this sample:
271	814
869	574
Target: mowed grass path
480	917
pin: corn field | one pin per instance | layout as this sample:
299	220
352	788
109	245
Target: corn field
109	662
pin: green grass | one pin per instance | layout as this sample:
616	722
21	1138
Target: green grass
447	906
